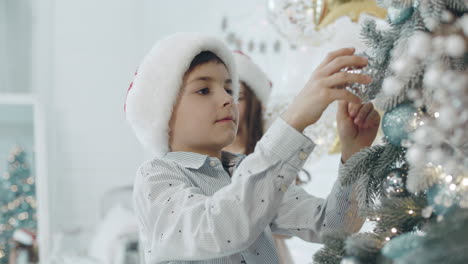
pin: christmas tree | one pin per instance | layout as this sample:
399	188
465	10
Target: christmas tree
17	201
414	186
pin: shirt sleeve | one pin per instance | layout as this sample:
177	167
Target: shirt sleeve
306	216
181	223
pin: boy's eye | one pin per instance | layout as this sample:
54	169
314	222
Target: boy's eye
229	91
203	91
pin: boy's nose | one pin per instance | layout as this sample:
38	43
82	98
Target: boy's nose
228	102
227	99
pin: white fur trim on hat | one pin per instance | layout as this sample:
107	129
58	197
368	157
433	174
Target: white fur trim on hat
153	94
252	75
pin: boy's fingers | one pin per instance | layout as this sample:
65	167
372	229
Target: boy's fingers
343	78
342	110
361	117
344	61
334	54
372	120
342	94
353	109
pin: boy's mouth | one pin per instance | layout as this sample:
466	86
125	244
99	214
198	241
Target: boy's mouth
226	119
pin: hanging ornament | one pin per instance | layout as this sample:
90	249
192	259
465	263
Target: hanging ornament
400	121
399	15
394	183
401	245
351	9
295	18
359	89
306	21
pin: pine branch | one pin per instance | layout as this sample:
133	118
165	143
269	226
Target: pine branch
367	169
391	155
333	251
459	6
363	196
365	246
413	80
402	213
359	164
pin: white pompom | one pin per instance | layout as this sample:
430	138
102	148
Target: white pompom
403	65
446	16
438	43
447	118
447	78
413	94
464	24
432	76
437	156
419	45
415	154
459	84
458	137
421	135
455	46
463	117
392	86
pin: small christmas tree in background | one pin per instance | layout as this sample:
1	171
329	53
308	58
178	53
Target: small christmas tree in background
17	201
415	185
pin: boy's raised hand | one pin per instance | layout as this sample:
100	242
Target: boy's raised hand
320	90
357	127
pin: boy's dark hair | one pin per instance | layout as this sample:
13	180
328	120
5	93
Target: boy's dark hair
202	58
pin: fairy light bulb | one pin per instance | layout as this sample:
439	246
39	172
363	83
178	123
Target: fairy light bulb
465	182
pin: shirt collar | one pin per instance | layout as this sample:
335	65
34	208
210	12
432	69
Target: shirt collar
196	161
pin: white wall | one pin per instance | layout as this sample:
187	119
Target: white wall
17	42
97	45
3	61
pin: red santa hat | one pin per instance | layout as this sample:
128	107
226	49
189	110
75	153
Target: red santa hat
153	93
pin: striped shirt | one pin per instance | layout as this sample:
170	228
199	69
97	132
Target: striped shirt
193	208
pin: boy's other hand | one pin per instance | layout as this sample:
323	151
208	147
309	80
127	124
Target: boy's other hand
357	127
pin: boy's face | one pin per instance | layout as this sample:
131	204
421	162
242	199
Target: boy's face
205	116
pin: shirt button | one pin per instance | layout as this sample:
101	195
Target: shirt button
212	163
302	155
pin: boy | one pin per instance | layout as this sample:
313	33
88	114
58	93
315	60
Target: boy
197	204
